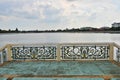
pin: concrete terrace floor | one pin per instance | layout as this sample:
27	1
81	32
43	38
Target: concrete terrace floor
41	68
59	79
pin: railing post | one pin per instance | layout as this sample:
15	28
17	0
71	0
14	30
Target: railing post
58	52
111	51
9	52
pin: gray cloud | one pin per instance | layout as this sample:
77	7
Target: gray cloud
15	8
71	0
71	12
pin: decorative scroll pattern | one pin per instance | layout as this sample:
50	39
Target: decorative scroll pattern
42	52
118	55
85	52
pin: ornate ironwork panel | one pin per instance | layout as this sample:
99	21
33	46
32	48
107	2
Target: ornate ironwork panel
42	52
85	52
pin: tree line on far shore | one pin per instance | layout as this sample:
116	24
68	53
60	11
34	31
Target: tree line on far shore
83	29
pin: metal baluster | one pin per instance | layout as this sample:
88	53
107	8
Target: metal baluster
4	54
54	50
1	58
108	52
118	55
62	50
94	55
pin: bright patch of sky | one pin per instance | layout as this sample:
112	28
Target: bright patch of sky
58	14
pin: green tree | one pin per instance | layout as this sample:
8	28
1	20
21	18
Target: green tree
16	30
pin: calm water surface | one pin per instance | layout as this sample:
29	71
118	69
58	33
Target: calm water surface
57	38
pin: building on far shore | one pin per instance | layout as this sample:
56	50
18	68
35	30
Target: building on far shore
104	28
116	25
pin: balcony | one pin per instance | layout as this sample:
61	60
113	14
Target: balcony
66	61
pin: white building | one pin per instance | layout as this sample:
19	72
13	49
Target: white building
115	25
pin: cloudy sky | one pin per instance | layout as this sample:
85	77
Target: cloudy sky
57	14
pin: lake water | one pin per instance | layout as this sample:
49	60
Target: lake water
57	38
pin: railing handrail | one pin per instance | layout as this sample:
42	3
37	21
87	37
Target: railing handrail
93	43
116	45
3	48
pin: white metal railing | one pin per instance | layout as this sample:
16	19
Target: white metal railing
60	51
64	51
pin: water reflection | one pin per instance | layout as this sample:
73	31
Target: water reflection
58	38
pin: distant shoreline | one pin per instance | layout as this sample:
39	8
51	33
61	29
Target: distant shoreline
73	30
116	32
